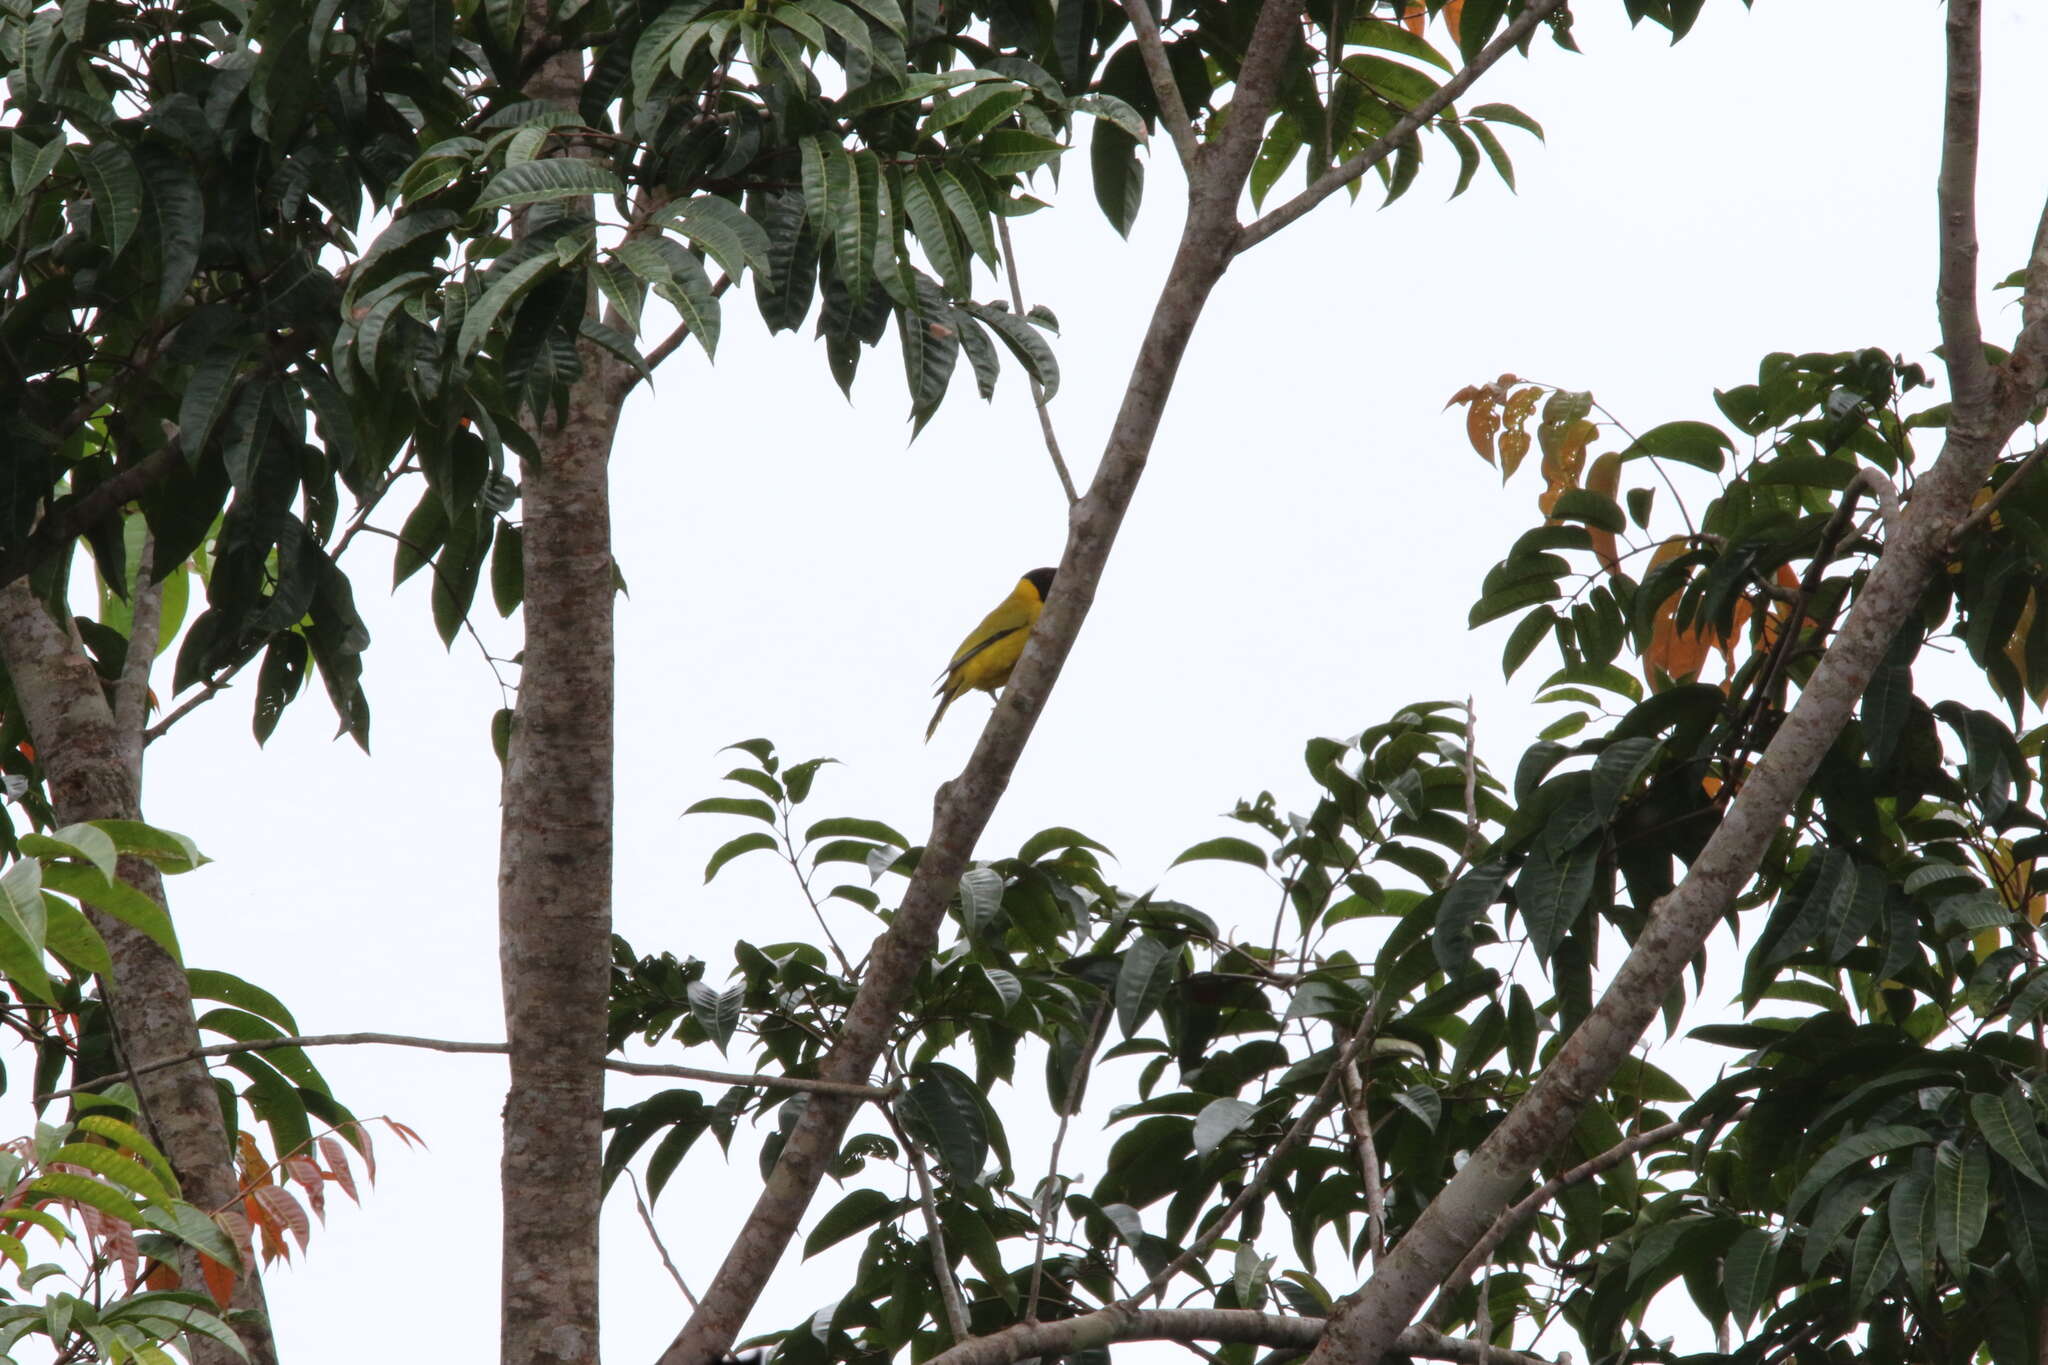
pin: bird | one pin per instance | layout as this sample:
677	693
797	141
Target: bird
991	649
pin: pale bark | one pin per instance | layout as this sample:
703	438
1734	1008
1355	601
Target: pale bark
93	767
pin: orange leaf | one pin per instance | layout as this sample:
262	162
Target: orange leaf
1514	441
255	1170
1481	422
1605	479
1415	17
405	1134
338	1169
220	1281
161	1277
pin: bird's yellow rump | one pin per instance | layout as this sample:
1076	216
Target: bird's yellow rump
991	649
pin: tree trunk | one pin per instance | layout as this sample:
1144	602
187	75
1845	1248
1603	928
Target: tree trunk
93	765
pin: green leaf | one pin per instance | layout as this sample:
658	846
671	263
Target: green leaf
723	229
981	897
1507	113
502	291
716	1012
84	1189
1141	983
1024	342
1747	1272
1848	1152
1595	509
557	177
85	841
1962	1201
1012	151
1225	849
733	848
845	827
1217	1121
1693	443
2008	1124
942	1109
116	185
857	1212
1552	890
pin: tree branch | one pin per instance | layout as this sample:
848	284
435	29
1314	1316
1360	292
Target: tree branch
1173	111
1482	1251
1069	1336
1367	1323
1962	338
964	805
625	1068
1331	181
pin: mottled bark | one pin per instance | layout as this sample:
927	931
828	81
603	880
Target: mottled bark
93	765
555	859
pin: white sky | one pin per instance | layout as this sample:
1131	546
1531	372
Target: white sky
1299	561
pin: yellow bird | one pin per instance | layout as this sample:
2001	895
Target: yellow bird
991	650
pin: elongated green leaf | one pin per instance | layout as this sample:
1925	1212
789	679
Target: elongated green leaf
502	292
116	185
1910	1213
557	177
733	848
1147	971
717	1012
1225	849
981	897
723	229
940	1108
1012	151
1747	1272
857	1212
1962	1201
970	213
1024	342
1217	1121
1848	1152
923	205
2008	1124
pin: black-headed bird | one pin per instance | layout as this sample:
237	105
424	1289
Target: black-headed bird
991	649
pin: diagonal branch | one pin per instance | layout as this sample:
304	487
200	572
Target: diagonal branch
1367	1323
1482	1251
1331	181
964	805
1173	111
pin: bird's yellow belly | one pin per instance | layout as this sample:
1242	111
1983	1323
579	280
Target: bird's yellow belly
991	668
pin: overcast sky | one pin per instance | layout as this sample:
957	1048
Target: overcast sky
1299	561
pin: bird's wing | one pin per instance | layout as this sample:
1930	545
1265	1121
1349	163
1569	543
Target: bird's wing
970	649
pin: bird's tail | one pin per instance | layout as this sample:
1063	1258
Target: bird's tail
946	698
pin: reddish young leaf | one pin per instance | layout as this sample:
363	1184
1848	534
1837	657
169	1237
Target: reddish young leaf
306	1171
405	1134
285	1211
1605	479
161	1277
359	1137
236	1226
337	1166
249	1156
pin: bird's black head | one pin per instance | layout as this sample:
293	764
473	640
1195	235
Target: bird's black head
1040	579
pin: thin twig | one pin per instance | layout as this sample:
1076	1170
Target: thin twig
1173	111
1052	443
1360	1120
648	1218
1327	184
935	1233
688	1073
666	347
1069	1102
